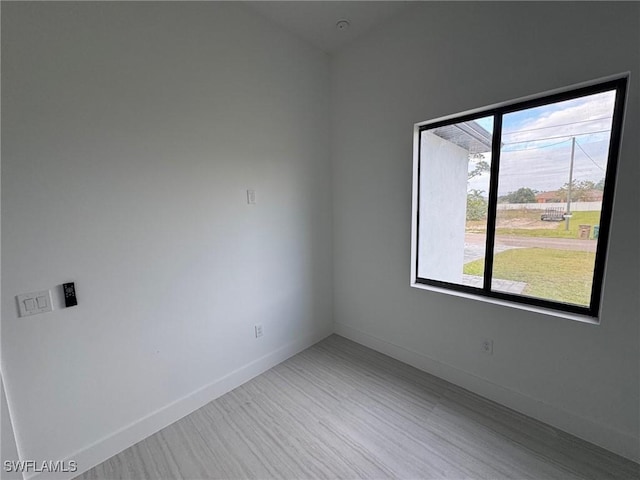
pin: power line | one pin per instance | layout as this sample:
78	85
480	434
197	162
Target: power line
589	156
534	148
559	136
552	126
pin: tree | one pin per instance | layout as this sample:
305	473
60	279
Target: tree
599	185
476	205
579	190
522	195
480	166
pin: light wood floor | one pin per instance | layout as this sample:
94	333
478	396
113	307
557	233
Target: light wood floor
341	410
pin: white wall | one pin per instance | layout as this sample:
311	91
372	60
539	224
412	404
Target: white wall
443	176
7	439
130	133
437	59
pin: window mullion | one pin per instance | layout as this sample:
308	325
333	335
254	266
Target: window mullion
493	201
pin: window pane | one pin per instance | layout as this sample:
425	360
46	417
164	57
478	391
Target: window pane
553	163
454	184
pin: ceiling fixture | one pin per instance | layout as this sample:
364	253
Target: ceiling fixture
342	24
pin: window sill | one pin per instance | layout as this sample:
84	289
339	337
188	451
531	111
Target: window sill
520	306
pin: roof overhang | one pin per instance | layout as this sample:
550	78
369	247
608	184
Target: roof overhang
468	135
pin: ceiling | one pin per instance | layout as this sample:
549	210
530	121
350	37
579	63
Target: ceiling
315	21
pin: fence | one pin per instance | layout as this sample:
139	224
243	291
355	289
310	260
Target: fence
575	206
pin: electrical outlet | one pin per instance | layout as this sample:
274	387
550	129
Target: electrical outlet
251	197
487	346
259	331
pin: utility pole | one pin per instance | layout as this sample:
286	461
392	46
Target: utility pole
568	213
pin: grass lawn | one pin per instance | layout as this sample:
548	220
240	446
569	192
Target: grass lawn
579	218
560	275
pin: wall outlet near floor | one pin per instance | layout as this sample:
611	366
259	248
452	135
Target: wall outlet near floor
487	346
258	329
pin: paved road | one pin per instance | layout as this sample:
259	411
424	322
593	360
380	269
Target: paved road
541	242
475	251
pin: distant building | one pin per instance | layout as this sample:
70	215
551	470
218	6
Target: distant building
558	196
548	197
592	196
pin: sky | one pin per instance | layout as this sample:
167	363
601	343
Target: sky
536	151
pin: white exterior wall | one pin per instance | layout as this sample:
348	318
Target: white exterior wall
443	205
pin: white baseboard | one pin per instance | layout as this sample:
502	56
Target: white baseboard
122	439
94	454
604	436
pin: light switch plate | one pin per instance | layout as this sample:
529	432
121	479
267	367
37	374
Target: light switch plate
34	303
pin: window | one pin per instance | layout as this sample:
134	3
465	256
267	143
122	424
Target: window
513	202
